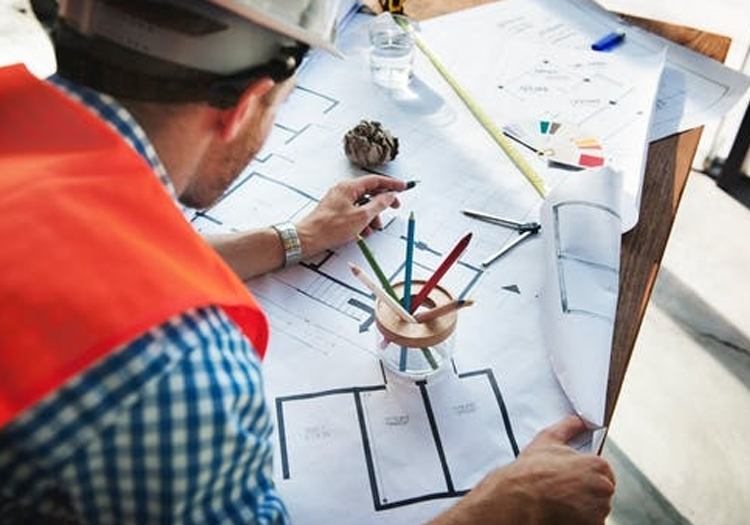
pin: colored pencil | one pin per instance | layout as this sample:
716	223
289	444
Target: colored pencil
429	315
392	303
449	261
375	267
409	265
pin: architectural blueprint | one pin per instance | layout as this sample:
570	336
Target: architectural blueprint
354	440
542	65
357	444
582	283
603	97
693	89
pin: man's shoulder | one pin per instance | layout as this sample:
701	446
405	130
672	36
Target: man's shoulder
183	345
188	393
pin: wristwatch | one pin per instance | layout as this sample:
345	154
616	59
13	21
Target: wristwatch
290	241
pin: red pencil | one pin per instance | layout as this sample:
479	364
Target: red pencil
444	266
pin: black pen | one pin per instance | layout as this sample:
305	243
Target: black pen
364	199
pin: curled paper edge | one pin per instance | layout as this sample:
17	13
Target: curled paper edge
582	229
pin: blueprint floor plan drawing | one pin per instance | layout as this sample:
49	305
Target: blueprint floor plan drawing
356	443
383	420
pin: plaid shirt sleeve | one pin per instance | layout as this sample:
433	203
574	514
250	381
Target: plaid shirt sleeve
174	428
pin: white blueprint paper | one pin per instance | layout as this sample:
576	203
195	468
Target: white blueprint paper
519	80
357	445
694	89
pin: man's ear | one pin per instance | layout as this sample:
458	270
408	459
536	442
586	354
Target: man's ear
231	119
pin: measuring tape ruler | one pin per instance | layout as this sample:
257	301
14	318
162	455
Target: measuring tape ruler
536	181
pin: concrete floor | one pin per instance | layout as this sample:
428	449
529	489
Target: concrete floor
678	439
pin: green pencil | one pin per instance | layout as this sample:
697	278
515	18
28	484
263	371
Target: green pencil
376	268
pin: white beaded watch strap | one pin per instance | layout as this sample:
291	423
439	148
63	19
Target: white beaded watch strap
290	241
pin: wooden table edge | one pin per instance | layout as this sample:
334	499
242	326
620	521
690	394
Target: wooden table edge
667	168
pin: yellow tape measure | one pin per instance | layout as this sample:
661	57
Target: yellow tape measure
536	181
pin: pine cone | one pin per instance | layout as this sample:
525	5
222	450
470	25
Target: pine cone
369	144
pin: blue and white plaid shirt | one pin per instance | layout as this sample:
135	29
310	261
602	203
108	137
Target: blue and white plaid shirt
171	428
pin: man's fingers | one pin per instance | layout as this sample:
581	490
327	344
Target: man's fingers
382	201
562	431
373	183
603	467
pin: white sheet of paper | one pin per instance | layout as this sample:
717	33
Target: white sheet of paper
582	260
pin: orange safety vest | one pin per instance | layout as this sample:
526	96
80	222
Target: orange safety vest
93	250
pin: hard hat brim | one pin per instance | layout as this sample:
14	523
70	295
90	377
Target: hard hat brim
313	36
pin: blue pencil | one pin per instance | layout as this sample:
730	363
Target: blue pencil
409	262
406	301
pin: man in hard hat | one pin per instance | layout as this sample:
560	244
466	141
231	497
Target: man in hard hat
130	379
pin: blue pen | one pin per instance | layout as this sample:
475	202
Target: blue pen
609	41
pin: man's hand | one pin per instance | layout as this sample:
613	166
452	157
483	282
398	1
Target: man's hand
337	219
549	484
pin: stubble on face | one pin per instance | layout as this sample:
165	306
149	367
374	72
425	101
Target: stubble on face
219	168
224	161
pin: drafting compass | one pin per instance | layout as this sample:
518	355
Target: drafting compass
524	229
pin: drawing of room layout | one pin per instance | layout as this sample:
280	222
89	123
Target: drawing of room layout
434	425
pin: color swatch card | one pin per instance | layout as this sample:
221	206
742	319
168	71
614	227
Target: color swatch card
558	142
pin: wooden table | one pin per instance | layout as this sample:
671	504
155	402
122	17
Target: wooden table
667	168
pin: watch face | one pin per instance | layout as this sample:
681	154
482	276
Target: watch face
290	241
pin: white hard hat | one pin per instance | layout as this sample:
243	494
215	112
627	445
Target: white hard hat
215	36
23	39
